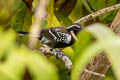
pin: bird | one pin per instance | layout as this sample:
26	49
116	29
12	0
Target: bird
57	37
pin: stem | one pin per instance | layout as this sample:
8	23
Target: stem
39	16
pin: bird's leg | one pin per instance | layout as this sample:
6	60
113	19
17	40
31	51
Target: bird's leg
61	55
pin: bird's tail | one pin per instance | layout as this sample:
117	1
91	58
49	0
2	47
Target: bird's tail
21	33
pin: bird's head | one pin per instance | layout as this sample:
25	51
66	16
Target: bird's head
75	27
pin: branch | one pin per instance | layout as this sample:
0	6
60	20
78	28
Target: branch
98	13
39	16
58	54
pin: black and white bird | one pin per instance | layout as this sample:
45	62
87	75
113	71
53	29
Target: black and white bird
58	37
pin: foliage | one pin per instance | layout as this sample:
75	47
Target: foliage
16	59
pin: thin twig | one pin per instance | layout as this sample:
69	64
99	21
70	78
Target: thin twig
97	13
39	16
73	35
94	73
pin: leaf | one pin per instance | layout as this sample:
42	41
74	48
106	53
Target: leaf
96	5
14	66
85	39
14	60
7	41
107	41
69	52
84	58
88	7
113	50
6	11
93	5
105	3
63	19
77	11
40	67
22	20
19	59
65	7
110	43
17	4
50	19
100	31
55	22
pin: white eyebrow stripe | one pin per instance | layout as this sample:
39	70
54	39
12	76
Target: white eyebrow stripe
72	26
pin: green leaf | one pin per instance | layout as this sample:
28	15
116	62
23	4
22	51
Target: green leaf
106	41
84	58
13	68
63	19
109	78
8	9
40	68
85	39
56	18
69	52
100	31
112	47
65	7
22	19
104	4
5	10
7	41
55	22
110	43
88	7
93	5
51	17
77	11
17	59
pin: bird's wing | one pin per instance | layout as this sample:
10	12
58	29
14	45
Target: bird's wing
61	35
